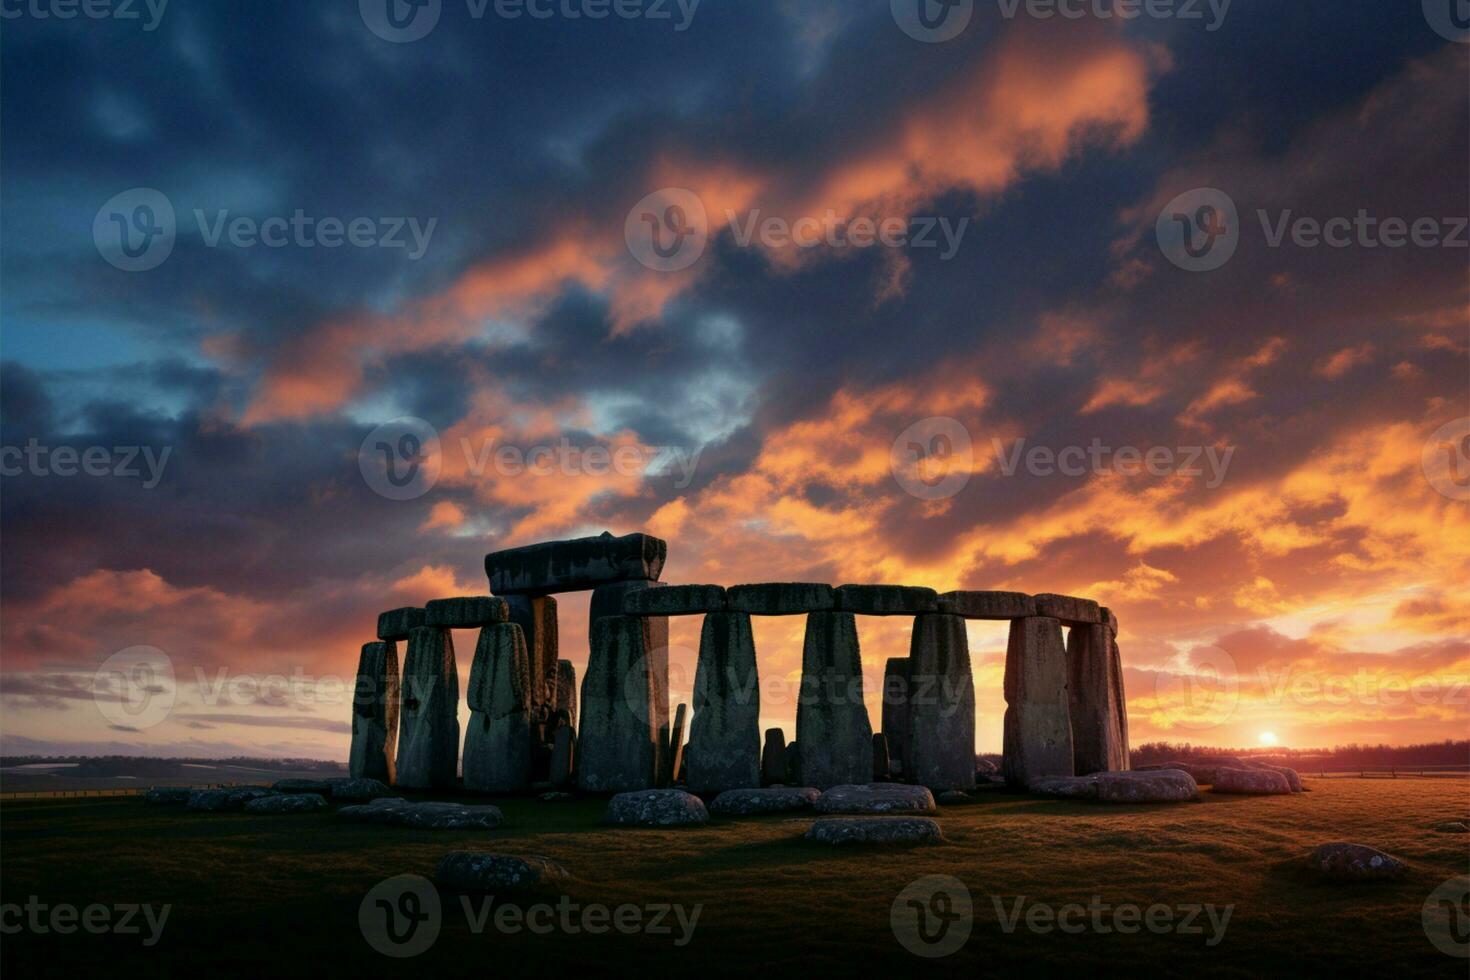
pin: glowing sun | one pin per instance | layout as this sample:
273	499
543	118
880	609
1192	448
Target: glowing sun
1268	738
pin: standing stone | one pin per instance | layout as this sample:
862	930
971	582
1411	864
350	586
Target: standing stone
793	764
1038	729
428	744
564	757
536	616
673	761
607	600
724	740
566	690
831	720
882	769
773	757
618	747
375	713
1095	692
896	710
941	738
497	746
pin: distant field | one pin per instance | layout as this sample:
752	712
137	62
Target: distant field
57	779
268	893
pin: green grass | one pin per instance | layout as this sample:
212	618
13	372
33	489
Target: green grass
265	893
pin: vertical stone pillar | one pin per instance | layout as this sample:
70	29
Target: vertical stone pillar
428	744
566	690
618	745
673	760
832	724
607	600
375	713
564	757
497	746
536	616
941	709
724	740
1098	712
882	764
1038	729
773	757
896	711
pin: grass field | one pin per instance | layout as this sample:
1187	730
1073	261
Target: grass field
271	893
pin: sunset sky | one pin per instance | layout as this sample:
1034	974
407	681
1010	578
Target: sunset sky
1296	562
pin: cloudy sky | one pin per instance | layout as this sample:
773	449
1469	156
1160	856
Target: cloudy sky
1169	311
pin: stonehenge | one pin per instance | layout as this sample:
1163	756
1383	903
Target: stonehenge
532	724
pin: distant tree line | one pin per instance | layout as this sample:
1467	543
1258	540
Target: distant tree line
1447	753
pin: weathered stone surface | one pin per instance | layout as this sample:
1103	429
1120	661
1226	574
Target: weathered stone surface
424	816
536	616
564	757
608	600
428	738
320	786
287	803
497	742
375	705
781	598
500	874
724	740
1293	779
673	759
1342	861
656	647
168	795
987	605
831	720
940	747
1097	707
1108	619
575	565
566	690
896	711
397	624
793	763
1071	610
1452	827
885	600
876	798
676	600
1251	782
882	769
229	798
466	612
875	830
773	757
358	790
772	799
1141	786
618	748
1038	728
656	808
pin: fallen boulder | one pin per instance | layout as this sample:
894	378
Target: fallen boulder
876	798
1131	786
476	871
656	808
230	798
1342	861
1251	782
358	790
424	816
773	799
875	830
168	795
302	786
1293	779
287	803
1453	827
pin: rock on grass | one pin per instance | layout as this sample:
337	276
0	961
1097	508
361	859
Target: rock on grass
875	830
478	871
1342	861
656	808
